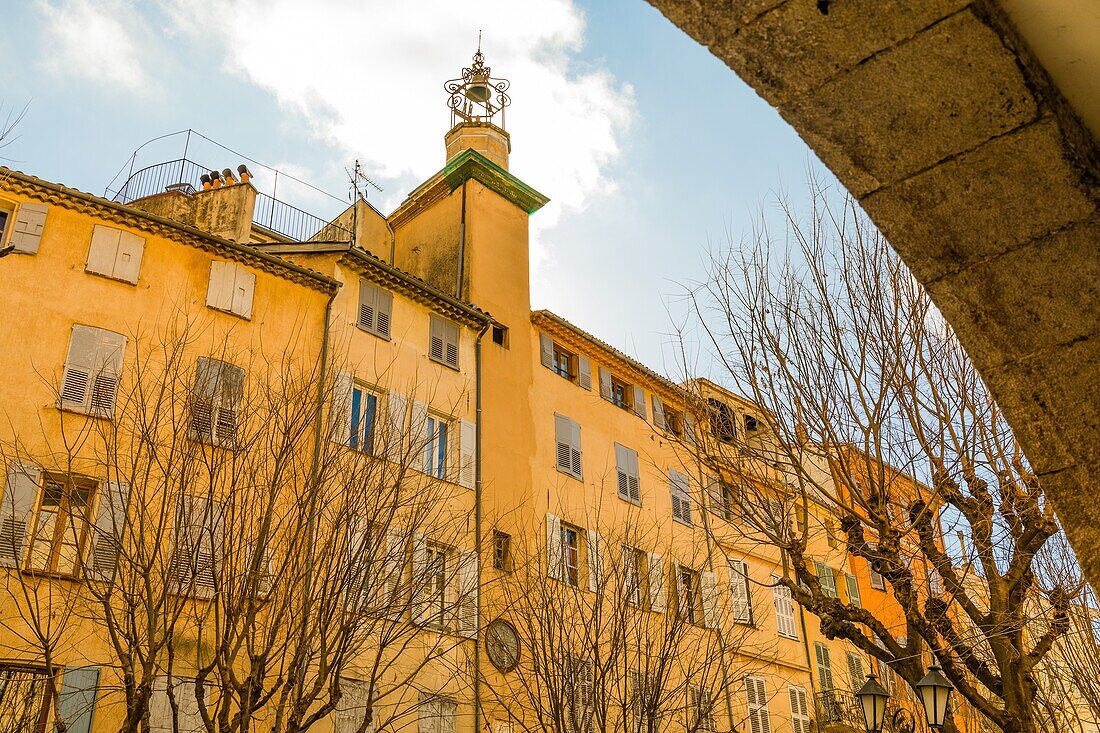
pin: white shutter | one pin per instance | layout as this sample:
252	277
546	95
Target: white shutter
824	666
567	438
626	465
584	372
605	383
679	488
368	311
107	535
656	581
341	408
595	561
80	366
131	248
358	562
784	609
20	493
639	402
422	587
855	671
30	220
103	251
800	709
392	570
575	448
443	341
219	291
708	587
658	412
396	408
757	694
853	589
383	303
546	351
244	287
418	429
554	550
826	578
739	591
467	453
468	582
352	707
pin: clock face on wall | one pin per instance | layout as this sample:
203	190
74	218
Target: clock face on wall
502	645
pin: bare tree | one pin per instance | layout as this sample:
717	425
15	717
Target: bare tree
881	415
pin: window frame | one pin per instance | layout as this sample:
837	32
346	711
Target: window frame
571	574
362	440
634	575
65	517
624	401
689	595
437	451
502	551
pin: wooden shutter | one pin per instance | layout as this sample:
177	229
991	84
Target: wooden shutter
393	568
422	587
626	465
20	493
193	558
584	372
418	429
383	303
739	591
80	366
605	383
563	442
655	581
679	492
826	578
757	698
375	309
467	453
638	403
107	532
824	666
443	341
800	709
131	248
30	220
784	609
352	708
575	448
244	288
853	589
358	563
219	291
595	561
468	582
659	412
341	408
396	414
554	550
855	671
708	589
78	693
103	250
546	351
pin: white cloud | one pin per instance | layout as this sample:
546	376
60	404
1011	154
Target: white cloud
88	40
368	77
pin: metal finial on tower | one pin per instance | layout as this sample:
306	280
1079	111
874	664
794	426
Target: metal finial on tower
476	96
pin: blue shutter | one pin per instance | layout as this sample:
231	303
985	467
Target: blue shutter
78	691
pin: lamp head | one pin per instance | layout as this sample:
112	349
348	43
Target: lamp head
872	702
935	690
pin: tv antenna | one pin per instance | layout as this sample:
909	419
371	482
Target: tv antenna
359	183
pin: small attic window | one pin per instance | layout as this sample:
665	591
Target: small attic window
500	336
751	425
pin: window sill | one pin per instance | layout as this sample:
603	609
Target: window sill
231	313
94	414
376	334
629	501
573	476
440	362
112	278
682	523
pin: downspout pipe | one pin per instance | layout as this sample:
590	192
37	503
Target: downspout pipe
478	516
461	246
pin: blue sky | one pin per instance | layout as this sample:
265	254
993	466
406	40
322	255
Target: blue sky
650	149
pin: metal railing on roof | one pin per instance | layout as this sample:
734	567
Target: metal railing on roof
269	212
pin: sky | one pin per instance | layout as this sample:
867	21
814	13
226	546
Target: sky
651	151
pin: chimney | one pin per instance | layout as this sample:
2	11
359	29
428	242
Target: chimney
225	209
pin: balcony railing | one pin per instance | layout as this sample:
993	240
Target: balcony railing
838	706
269	212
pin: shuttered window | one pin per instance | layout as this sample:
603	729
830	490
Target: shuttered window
824	666
739	591
853	589
800	709
877	581
59	533
375	309
354	413
443	341
231	289
856	676
197	543
108	530
216	401
577	691
77	703
352	708
20	496
437	715
26	232
632	575
826	578
567	436
784	609
93	367
700	710
115	253
185	718
679	491
436	440
626	464
756	697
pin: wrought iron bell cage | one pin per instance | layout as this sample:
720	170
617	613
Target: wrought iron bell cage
477	96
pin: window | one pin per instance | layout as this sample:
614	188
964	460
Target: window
571	554
621	393
435	447
24	702
568	439
633	572
364	411
352	708
77	700
751	424
26	231
800	709
756	694
831	534
93	366
502	551
443	341
500	335
853	589
216	401
185	718
626	462
935	582
687	594
740	592
723	498
197	539
674	421
723	421
638	699
375	309
826	578
877	581
784	609
678	485
61	525
115	254
433	586
436	714
856	676
578	694
563	363
824	667
231	289
700	710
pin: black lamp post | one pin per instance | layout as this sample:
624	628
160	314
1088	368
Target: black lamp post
872	700
934	690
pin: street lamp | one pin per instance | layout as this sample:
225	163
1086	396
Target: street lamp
934	690
872	700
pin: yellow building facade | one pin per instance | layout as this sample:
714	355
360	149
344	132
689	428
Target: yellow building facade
534	460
